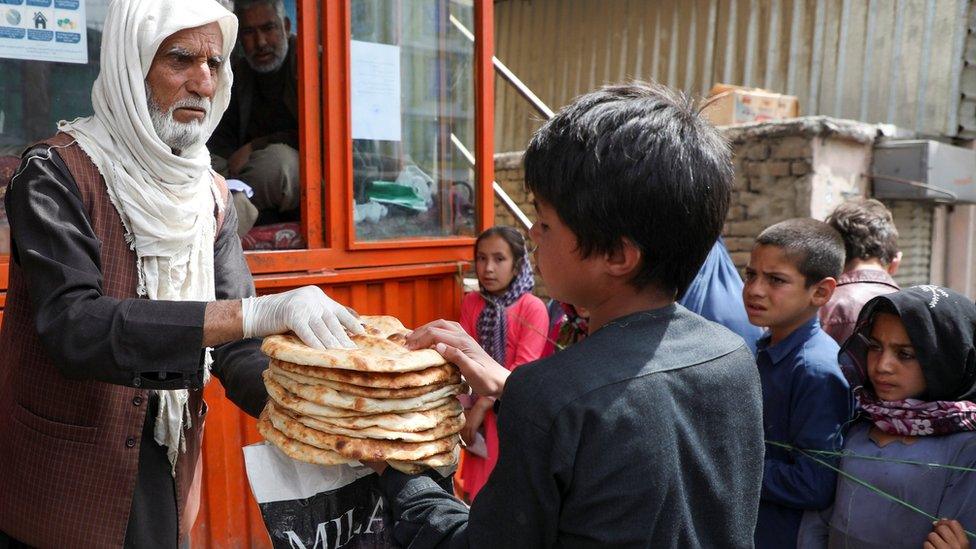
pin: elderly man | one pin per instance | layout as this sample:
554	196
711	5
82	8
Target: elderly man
257	139
126	287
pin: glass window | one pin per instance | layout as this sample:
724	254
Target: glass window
36	94
412	99
256	145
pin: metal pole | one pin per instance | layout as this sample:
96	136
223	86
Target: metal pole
507	200
509	76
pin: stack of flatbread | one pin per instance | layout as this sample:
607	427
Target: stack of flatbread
378	402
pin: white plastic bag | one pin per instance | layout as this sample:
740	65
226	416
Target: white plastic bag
308	506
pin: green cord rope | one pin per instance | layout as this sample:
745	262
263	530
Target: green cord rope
860	482
811	454
889	460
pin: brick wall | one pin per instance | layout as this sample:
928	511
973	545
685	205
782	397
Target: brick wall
772	175
508	174
802	167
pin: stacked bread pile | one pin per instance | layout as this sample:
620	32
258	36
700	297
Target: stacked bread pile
378	402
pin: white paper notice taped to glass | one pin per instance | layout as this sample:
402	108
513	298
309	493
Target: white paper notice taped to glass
374	91
44	30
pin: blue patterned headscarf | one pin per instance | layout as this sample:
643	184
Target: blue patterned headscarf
493	319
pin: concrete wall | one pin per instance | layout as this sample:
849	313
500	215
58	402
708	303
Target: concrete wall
805	167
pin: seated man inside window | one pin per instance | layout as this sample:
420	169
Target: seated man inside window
256	141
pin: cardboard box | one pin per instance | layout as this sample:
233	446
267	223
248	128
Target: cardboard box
737	105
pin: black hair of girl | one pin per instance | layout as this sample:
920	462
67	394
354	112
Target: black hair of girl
511	235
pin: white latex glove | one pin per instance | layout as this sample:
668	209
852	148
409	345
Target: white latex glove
307	311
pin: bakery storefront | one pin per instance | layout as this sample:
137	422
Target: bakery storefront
395	169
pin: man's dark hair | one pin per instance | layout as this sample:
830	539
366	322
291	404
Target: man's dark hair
815	247
636	162
240	6
868	230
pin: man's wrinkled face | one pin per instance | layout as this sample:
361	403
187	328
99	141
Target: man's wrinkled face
264	37
181	84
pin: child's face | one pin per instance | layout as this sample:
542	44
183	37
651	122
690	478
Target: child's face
569	278
775	292
494	264
892	365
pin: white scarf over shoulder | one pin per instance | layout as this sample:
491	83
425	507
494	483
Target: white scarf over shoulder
166	202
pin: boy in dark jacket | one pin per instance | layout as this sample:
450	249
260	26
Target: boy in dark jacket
648	432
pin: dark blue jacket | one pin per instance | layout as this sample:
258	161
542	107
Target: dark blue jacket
806	403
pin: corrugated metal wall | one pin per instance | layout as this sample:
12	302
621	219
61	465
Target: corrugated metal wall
967	110
891	61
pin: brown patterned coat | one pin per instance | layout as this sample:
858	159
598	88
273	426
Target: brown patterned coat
69	457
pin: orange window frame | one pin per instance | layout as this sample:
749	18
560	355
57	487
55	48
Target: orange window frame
325	136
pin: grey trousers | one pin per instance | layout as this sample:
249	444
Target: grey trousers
273	174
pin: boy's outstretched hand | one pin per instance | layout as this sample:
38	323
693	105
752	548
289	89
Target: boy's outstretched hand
482	373
947	534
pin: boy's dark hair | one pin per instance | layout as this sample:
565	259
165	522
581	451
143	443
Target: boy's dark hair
815	247
867	228
635	161
511	236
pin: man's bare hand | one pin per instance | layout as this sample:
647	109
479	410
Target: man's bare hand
482	373
238	159
947	534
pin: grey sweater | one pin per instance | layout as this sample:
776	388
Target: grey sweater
647	433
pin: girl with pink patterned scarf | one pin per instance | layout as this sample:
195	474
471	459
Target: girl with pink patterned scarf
912	366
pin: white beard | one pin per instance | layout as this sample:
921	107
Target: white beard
178	136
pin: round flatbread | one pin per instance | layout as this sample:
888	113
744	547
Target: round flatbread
406	422
373	354
295	449
356	448
299	405
325	396
443	429
294	403
382	325
443	374
348	389
446	459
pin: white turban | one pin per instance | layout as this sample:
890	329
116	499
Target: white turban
166	201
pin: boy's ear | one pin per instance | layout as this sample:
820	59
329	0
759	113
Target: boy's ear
895	263
822	291
625	260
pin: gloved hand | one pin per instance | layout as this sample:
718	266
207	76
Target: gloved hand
307	311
